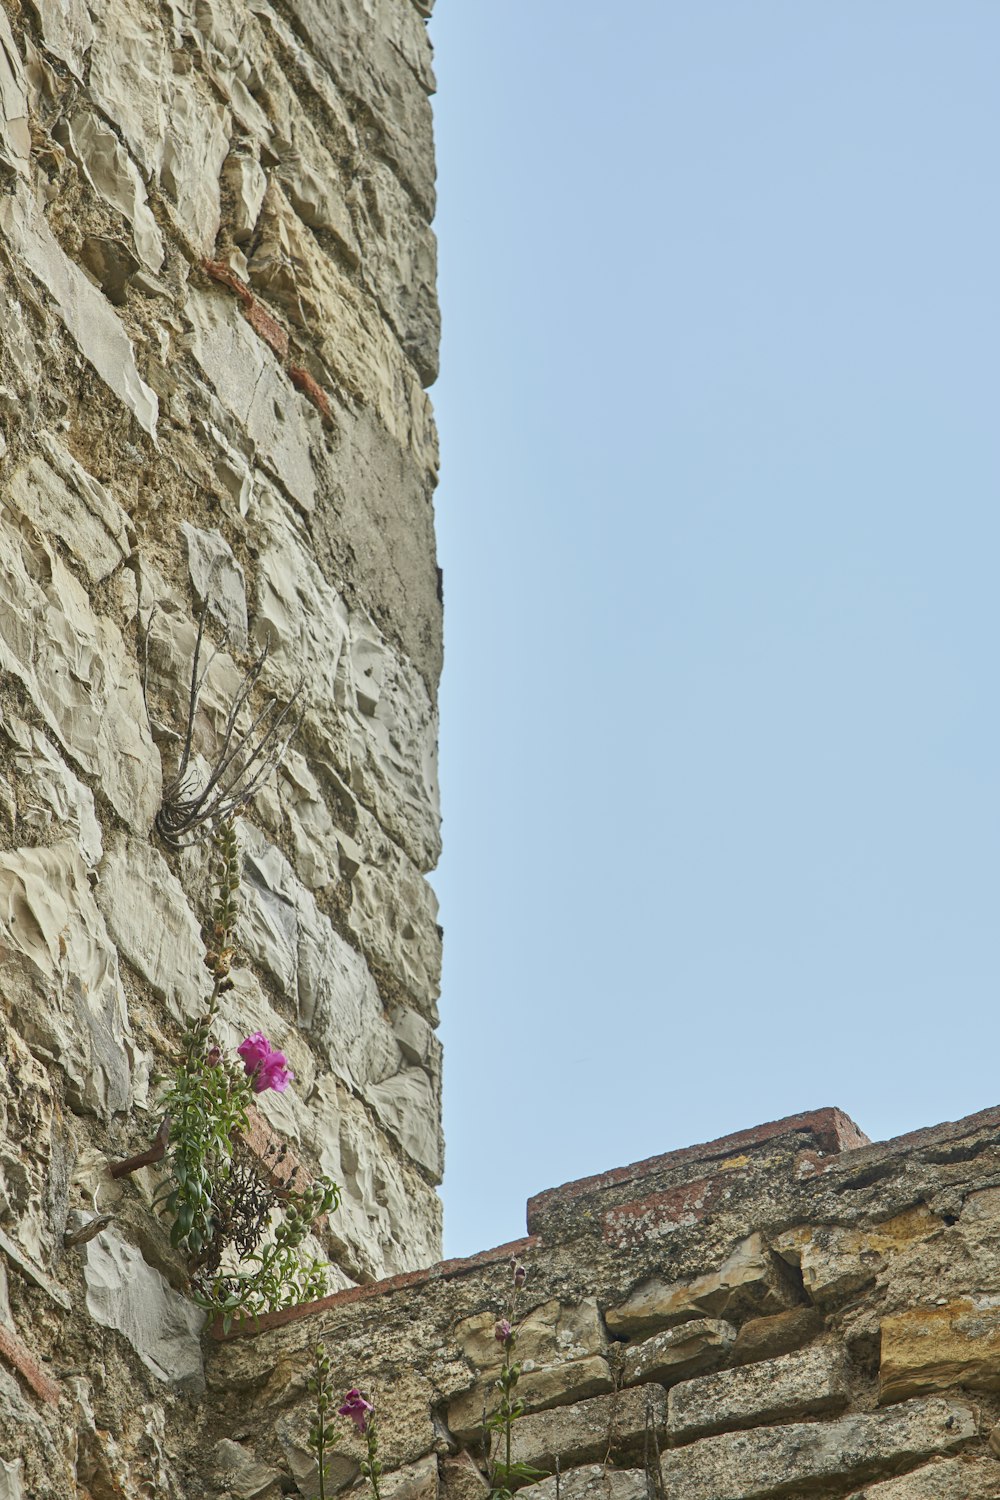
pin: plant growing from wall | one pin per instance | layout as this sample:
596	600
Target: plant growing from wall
244	760
240	1261
502	1472
323	1435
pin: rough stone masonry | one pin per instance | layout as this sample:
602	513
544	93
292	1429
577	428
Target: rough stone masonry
218	320
217	324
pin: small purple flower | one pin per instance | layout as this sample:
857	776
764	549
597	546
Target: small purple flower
520	1273
358	1409
266	1067
502	1331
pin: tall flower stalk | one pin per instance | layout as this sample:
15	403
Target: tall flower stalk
323	1435
502	1471
358	1409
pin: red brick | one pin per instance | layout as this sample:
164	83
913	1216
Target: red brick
443	1270
266	1146
270	330
220	272
16	1355
831	1128
310	388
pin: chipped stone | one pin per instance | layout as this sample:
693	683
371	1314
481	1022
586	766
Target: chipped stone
60	971
115	176
749	1281
943	1479
126	1294
930	1348
218	580
85	685
89	318
677	1353
58	496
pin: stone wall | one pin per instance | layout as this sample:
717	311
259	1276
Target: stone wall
790	1311
217	322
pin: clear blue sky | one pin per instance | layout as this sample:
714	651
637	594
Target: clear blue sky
720	533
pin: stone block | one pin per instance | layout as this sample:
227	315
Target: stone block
61	499
930	1348
750	1281
59	970
780	1333
15	130
592	1482
78	672
255	390
115	176
613	1425
677	1353
943	1479
789	1460
50	800
147	914
86	313
540	1386
126	1294
775	1390
837	1262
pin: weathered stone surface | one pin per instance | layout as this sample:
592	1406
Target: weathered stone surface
781	1333
147	914
253	388
390	1218
78	672
218	581
241	1475
930	1348
115	176
776	1390
612	1425
943	1479
59	497
677	1353
369	69
836	1262
750	1280
560	1349
370	707
785	1460
88	316
593	1482
33	1157
50	799
67	31
126	1294
60	971
15	131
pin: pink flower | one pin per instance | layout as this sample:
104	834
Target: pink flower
502	1331
358	1409
266	1067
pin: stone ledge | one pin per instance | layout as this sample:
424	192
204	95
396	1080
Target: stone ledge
831	1130
443	1270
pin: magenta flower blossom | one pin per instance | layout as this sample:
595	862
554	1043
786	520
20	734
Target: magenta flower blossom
358	1409
266	1067
502	1331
